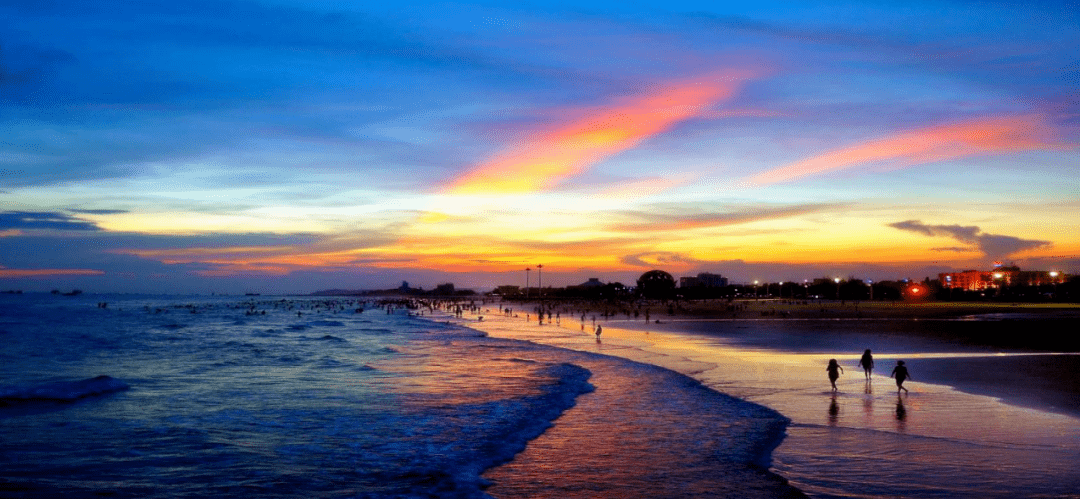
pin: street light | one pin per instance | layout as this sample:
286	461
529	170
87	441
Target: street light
755	290
781	290
540	279
527	269
837	281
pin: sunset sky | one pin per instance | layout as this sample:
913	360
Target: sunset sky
292	146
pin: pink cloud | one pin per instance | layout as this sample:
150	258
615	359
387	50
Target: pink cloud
971	138
547	158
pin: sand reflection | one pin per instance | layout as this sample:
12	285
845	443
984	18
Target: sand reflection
935	438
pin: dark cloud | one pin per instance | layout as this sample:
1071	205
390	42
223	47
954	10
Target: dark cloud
992	245
27	220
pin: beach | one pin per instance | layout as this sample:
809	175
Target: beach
165	396
965	429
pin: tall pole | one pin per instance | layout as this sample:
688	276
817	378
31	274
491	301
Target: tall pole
527	269
540	279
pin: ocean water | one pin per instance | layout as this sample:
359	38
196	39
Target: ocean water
980	421
145	396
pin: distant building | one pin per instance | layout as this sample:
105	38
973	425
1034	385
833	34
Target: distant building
704	279
507	290
979	280
689	282
593	282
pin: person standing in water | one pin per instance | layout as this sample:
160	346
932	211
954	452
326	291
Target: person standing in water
834	372
900	372
867	363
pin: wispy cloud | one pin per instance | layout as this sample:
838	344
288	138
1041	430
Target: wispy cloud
660	258
548	158
100	212
24	220
12	273
972	138
648	221
992	245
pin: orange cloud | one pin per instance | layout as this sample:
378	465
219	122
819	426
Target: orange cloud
547	158
6	273
927	145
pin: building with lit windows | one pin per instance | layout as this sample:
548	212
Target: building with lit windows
1001	276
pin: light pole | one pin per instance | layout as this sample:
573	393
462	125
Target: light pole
837	280
755	290
1053	278
781	290
527	269
540	280
871	284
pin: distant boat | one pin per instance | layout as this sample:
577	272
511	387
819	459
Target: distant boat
251	294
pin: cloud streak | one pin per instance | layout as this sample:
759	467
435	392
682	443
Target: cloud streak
662	222
548	158
928	145
992	245
25	220
15	273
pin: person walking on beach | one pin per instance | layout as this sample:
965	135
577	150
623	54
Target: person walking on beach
598	331
834	372
900	372
867	363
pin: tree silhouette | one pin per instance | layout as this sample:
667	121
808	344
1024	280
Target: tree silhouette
656	284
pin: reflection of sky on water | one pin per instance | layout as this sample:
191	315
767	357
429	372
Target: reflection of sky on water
866	437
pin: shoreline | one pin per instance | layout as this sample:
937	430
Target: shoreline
1002	316
790	383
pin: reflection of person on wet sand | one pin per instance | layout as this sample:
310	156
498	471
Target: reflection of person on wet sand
834	411
867	363
900	372
834	372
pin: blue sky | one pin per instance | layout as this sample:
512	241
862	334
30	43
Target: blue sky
235	146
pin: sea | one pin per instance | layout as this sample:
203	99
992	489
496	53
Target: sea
327	397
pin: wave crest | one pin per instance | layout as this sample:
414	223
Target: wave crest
62	391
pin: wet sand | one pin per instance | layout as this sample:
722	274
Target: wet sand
863	440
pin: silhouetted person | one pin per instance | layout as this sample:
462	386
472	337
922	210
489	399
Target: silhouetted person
834	372
867	363
598	331
900	372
